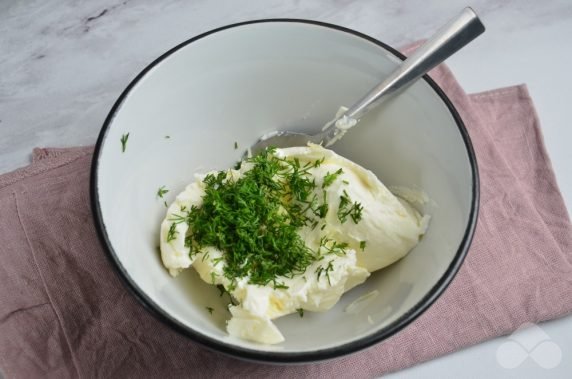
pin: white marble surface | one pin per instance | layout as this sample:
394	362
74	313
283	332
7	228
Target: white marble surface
64	62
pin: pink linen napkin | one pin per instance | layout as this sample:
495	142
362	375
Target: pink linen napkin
65	313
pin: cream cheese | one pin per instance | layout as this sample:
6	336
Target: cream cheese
389	228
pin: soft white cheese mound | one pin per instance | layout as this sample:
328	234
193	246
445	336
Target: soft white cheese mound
389	228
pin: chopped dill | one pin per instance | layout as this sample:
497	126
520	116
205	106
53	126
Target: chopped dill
280	286
172	234
216	261
300	312
322	210
162	191
210	309
255	219
325	271
188	241
347	208
124	139
167	137
177	219
314	224
331	246
235	145
362	245
330	178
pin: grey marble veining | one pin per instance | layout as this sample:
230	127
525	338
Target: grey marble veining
64	62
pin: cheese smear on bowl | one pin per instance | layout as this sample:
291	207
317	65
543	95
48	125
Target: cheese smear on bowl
347	225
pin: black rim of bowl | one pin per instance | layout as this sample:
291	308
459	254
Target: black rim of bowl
288	357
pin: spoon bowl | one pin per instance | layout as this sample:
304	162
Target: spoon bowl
449	39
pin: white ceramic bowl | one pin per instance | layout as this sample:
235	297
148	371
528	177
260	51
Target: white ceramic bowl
237	83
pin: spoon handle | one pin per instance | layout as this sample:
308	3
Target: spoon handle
445	42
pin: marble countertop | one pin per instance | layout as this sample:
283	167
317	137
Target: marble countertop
64	62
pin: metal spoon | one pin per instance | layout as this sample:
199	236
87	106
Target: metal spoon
445	42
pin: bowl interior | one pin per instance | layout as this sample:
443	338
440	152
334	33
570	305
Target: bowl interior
184	116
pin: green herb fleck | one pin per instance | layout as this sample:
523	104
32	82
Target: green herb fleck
330	178
235	145
331	246
188	241
124	139
179	218
210	309
167	137
172	234
362	245
221	289
325	271
345	181
322	210
216	261
280	286
162	191
347	208
300	311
